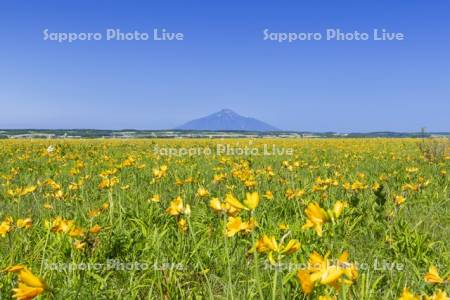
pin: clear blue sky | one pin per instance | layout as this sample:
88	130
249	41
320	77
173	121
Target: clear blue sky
224	62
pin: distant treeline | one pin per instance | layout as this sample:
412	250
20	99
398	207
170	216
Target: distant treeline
132	133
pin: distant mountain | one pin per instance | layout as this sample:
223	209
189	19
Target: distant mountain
227	119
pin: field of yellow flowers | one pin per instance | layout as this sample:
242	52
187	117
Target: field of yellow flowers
151	219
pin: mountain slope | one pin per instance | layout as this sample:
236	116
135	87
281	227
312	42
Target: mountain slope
227	119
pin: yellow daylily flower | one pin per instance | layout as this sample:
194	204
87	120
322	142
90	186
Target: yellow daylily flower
252	200
59	224
326	297
432	276
28	190
24	223
48	206
235	225
202	192
95	229
316	217
182	224
322	271
79	245
177	207
268	244
5	227
268	195
291	247
76	232
283	226
439	295
155	198
305	281
24	292
30	286
407	295
399	200
215	205
106	183
338	208
235	203
160	172
15	268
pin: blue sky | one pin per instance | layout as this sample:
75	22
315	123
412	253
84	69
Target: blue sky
223	62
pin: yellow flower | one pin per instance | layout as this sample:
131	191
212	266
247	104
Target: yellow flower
93	213
433	276
268	244
48	206
76	232
326	297
399	200
182	224
412	170
202	192
95	229
28	190
328	275
358	186
338	208
350	270
407	295
24	292
410	187
235	203
15	268
268	195
21	191
79	245
252	200
250	225
283	226
24	223
108	182
30	286
218	178
250	203
5	227
376	186
291	194
305	281
59	194
215	205
291	247
50	182
160	172
73	186
61	225
316	217
177	207
439	295
155	198
235	225
321	270
230	210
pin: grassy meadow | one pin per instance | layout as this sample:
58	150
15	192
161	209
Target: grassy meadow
295	219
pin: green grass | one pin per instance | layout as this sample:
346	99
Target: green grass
202	263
